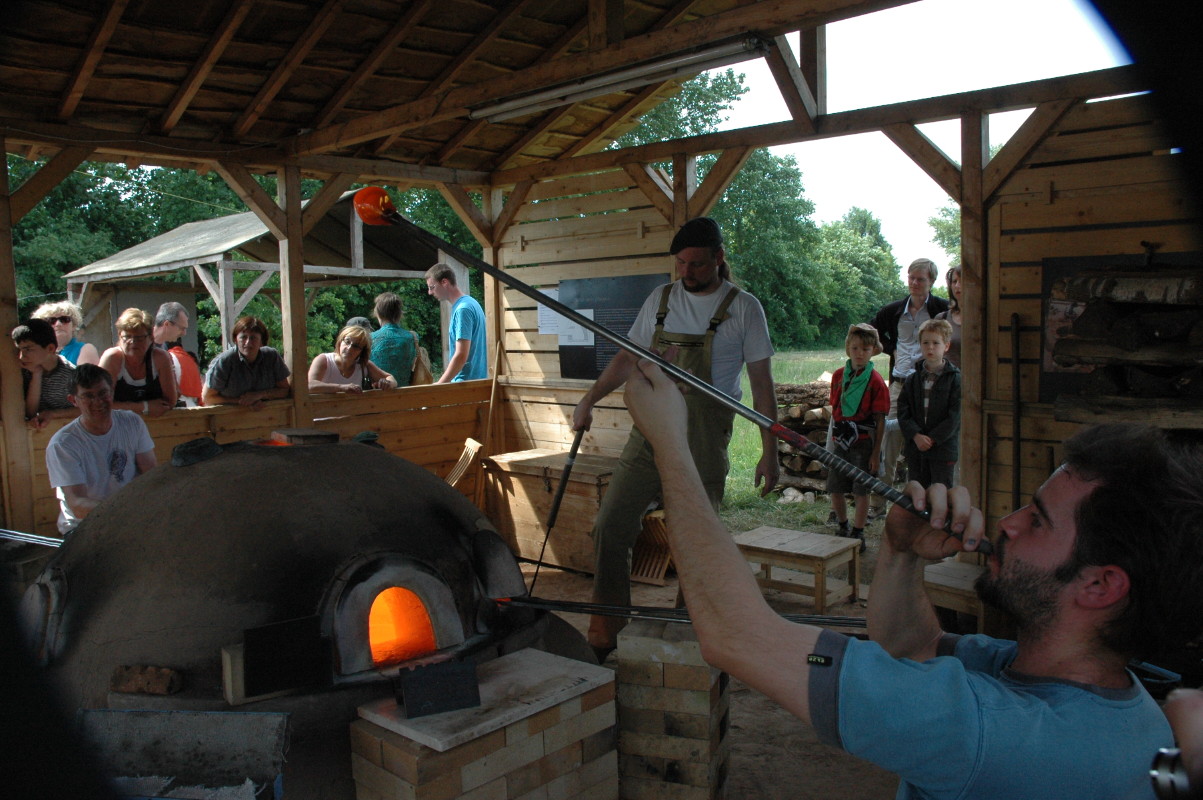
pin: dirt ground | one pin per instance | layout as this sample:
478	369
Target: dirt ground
774	756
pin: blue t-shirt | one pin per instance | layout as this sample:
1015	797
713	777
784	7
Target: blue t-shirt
468	322
965	726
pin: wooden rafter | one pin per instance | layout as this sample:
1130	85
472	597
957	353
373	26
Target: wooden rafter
51	174
397	34
479	225
255	196
770	17
812	59
718	179
654	188
557	49
931	159
1102	83
212	53
483	39
91	57
685	183
1030	134
322	20
508	211
326	197
795	91
550	120
605	23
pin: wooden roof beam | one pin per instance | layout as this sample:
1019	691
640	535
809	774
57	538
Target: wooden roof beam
605	23
321	21
1031	133
718	179
654	188
50	174
325	198
1100	83
931	159
478	224
767	18
513	204
255	196
483	39
401	29
212	53
795	90
92	53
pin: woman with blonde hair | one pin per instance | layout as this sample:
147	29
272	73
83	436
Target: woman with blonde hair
143	379
349	368
66	318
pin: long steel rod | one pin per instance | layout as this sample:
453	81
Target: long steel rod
814	451
660	614
31	538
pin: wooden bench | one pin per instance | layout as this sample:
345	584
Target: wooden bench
814	554
949	584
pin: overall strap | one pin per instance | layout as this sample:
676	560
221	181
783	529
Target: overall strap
662	312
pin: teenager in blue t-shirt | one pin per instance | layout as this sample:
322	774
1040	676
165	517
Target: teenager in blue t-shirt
466	332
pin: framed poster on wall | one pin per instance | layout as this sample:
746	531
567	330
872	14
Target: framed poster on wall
612	302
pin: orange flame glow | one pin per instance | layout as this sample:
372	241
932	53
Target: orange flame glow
399	627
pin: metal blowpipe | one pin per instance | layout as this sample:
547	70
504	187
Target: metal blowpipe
374	207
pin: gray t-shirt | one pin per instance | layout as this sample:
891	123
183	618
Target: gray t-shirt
231	375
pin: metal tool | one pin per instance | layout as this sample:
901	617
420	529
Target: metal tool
31	538
375	207
555	503
659	614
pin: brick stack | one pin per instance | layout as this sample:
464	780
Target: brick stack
673	714
545	731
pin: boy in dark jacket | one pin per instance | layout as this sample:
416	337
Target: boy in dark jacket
860	401
929	409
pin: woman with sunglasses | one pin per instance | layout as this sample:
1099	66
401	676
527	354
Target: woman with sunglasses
143	380
66	318
349	368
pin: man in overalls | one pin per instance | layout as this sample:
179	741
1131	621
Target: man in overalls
713	329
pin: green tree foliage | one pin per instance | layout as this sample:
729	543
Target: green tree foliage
700	106
863	268
946	230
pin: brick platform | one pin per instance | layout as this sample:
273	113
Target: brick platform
673	714
544	731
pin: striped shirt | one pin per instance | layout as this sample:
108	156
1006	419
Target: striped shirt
55	385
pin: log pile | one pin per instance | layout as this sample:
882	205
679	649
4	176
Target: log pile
804	408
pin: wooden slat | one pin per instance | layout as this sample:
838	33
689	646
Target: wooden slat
1102	144
1109	113
581	204
571	185
92	53
552	273
1162	204
1027	248
1149	169
218	41
1020	280
619	244
577	227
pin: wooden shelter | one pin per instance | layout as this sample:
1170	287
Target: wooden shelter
411	92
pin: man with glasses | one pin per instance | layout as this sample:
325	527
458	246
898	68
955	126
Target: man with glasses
171	325
96	454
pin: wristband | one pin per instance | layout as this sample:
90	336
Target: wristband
145	407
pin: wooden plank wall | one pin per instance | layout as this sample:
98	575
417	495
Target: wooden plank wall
424	424
589	226
1105	180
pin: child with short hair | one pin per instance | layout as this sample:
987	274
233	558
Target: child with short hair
929	409
46	376
860	401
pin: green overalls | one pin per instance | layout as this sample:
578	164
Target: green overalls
635	484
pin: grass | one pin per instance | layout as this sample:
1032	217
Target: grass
743	507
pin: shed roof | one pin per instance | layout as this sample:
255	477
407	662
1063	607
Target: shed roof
404	248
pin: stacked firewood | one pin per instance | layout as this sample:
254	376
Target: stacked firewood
804	408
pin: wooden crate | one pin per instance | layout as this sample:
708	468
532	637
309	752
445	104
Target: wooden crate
519	488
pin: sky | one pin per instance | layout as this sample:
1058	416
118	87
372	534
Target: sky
923	49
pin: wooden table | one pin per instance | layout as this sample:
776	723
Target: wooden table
949	584
814	554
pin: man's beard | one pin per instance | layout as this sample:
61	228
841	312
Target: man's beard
698	286
1027	593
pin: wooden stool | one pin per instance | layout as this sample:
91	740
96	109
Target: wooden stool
813	553
949	584
651	558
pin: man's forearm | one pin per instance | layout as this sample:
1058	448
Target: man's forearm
900	615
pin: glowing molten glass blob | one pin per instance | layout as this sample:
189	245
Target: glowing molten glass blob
398	627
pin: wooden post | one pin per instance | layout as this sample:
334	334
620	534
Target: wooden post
292	293
18	495
975	143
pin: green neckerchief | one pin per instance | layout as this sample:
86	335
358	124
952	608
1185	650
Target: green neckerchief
854	389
